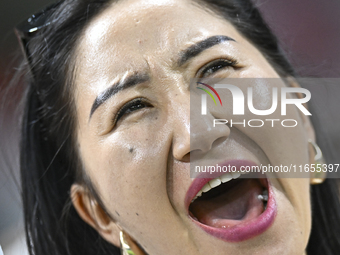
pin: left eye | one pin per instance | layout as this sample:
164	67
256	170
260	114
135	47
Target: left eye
215	66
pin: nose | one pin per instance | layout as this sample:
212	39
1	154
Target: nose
195	133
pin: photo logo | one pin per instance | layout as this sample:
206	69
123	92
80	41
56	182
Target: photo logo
239	99
204	96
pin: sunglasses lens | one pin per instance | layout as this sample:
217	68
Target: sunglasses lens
28	27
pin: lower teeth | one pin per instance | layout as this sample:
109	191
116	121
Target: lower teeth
264	198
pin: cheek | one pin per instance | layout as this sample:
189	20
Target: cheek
298	193
129	171
294	212
127	166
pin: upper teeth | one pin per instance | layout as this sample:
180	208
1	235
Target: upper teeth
218	181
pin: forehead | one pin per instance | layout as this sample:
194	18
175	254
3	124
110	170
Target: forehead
148	23
129	32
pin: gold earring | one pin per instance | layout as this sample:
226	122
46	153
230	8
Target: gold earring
125	248
319	175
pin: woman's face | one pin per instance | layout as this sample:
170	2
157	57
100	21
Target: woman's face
133	108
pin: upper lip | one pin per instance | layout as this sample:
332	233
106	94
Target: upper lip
198	182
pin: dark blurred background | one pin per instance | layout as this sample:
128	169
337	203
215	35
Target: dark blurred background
308	31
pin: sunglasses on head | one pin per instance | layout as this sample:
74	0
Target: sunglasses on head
27	29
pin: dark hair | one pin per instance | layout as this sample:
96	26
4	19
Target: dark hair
49	160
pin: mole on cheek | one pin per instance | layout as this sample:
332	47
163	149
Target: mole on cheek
131	150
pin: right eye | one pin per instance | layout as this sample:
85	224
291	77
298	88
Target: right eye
130	107
215	66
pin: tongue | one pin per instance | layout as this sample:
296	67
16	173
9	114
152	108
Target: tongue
238	204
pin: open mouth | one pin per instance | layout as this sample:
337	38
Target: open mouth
232	208
224	205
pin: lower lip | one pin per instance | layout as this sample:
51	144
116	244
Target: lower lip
248	229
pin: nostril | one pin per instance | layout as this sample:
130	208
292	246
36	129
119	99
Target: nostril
204	141
219	141
199	150
186	158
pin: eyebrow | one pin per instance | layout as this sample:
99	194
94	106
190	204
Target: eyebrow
125	83
197	48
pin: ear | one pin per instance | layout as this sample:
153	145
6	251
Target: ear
305	119
316	177
94	215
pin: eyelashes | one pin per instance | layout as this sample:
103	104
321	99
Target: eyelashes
130	107
215	66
